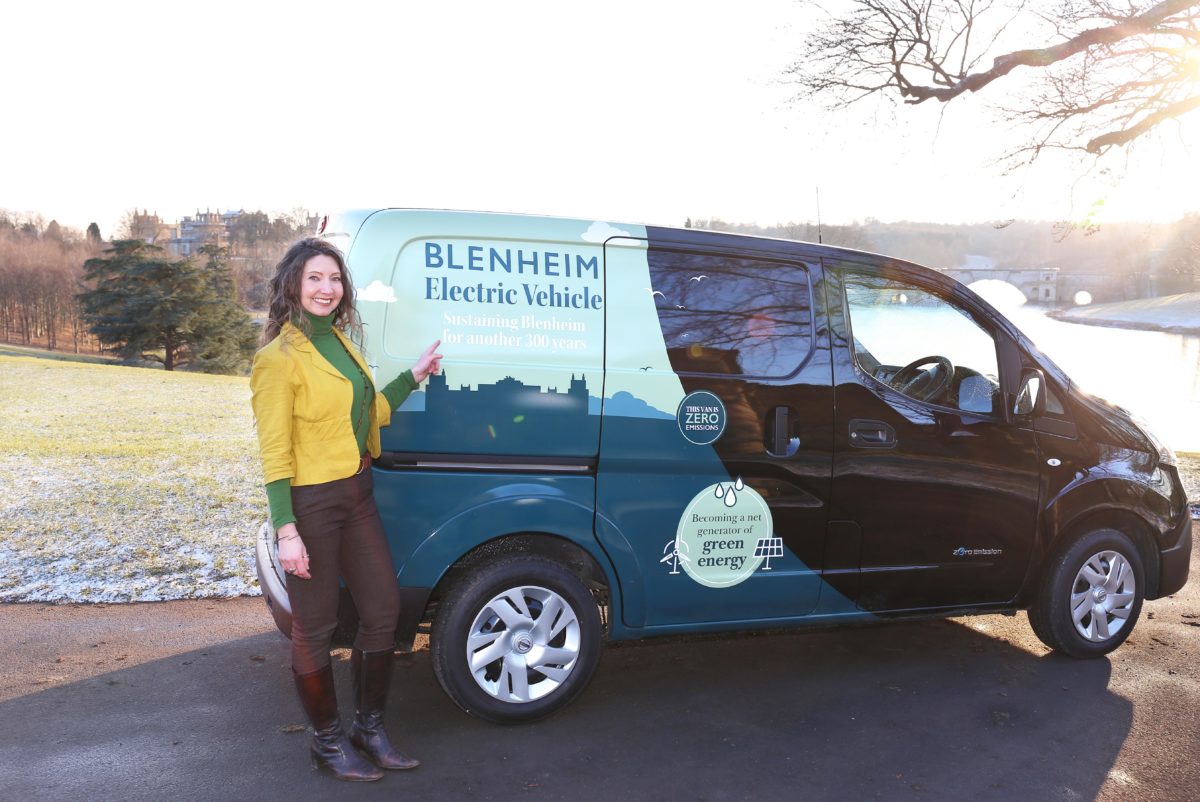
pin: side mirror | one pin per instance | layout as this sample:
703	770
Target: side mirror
1031	397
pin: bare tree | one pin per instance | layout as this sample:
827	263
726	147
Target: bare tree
1106	73
126	229
39	271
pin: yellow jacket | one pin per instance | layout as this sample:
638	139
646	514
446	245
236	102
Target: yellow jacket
300	403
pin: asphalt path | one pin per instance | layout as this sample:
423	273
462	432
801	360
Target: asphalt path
192	700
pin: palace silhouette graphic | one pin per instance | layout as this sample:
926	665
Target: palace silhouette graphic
508	416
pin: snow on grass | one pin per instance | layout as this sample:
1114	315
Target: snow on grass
125	484
1167	313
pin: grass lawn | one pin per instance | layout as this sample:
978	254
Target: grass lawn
125	484
10	349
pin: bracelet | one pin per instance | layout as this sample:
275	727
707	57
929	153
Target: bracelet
289	537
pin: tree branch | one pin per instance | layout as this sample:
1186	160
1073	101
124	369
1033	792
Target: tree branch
1131	68
1100	143
1143	23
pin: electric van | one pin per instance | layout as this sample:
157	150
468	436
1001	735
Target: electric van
644	431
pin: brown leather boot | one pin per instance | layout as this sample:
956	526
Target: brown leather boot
330	749
372	675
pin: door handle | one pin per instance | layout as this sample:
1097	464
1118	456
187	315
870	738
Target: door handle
871	434
777	439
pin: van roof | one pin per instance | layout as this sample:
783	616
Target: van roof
348	223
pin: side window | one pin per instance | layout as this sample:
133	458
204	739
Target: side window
731	316
921	344
1054	404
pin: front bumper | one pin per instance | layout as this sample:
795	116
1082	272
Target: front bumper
271	579
1176	561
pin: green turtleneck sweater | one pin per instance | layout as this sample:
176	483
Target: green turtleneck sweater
279	492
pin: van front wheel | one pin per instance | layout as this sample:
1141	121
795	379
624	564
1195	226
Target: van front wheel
516	640
1091	595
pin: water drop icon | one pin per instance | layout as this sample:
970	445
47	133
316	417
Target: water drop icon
730	498
720	490
739	484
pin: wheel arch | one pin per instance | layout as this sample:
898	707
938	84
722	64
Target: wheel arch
553	527
1121	519
557	548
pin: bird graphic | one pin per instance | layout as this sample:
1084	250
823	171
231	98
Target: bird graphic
680	306
647	367
653	292
698	278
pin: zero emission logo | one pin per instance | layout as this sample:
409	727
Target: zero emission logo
701	417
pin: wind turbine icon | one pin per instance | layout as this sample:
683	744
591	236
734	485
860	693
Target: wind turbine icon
674	554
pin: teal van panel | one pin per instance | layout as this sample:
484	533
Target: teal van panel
518	305
701	533
553	332
433	518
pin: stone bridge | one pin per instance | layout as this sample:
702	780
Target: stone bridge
1039	285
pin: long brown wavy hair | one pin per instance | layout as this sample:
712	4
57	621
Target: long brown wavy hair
285	292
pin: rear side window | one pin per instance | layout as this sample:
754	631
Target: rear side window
729	316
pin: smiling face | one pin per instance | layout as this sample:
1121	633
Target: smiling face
321	286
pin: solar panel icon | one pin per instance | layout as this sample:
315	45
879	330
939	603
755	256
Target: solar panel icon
767	548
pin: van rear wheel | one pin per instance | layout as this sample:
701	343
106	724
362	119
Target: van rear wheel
1091	596
516	640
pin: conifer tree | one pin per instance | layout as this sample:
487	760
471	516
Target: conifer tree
144	306
222	336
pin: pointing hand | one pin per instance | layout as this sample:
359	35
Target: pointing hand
428	363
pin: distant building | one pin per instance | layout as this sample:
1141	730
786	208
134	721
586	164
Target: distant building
204	228
190	234
150	229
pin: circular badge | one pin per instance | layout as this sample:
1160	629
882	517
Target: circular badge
725	534
701	417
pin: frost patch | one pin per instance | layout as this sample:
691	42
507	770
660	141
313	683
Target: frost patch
147	491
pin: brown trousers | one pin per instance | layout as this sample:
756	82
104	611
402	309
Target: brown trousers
340	527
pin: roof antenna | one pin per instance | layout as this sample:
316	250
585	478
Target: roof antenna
819	242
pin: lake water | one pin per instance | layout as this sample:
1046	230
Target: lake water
1153	374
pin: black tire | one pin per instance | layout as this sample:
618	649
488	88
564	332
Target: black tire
527	663
1108	609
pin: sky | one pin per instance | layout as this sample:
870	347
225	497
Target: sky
645	112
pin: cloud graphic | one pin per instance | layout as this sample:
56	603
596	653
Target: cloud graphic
376	291
626	405
599	232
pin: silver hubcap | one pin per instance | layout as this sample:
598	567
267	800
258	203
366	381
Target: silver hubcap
523	644
1103	595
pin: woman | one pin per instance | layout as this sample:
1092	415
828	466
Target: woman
318	417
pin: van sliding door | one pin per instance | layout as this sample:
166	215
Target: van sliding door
715	453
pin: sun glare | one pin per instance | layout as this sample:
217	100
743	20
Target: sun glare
999	294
